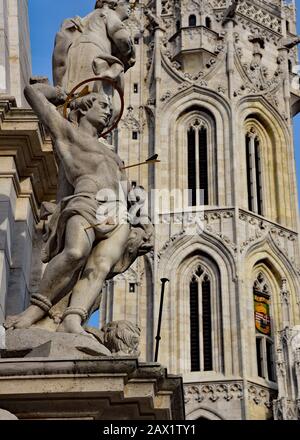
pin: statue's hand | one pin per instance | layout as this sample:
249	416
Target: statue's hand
61	96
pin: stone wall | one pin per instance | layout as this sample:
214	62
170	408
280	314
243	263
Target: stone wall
15	64
27	177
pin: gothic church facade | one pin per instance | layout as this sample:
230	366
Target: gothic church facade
213	94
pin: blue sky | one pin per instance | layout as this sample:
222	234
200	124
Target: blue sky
45	19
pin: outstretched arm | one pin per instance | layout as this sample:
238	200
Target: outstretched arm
43	98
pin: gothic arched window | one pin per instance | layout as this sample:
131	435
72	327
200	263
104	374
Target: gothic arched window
192	20
263	330
254	172
201	321
198	163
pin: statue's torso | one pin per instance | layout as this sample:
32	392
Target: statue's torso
90	166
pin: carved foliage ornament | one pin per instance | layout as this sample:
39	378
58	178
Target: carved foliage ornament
213	392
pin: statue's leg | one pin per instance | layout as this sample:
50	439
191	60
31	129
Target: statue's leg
102	259
59	272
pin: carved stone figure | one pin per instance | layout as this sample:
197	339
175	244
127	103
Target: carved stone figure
89	232
92	234
231	11
120	337
96	45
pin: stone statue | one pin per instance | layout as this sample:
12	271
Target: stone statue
120	337
231	11
96	45
92	235
89	232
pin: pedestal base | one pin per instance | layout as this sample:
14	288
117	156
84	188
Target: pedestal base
97	389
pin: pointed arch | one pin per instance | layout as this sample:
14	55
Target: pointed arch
176	263
277	160
263	298
217	112
203	413
267	258
196	128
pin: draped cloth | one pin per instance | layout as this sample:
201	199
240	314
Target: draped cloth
106	216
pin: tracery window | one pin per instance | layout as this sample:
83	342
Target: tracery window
264	339
254	172
198	162
201	321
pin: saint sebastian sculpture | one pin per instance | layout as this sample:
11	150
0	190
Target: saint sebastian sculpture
90	236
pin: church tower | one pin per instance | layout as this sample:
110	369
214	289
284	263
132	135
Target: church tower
213	93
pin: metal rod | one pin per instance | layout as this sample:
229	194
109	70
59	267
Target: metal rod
158	337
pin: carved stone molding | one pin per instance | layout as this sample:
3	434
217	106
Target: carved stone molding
262	229
132	121
213	392
260	395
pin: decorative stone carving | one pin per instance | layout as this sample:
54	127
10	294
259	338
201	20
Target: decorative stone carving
255	76
286	406
132	122
260	15
89	238
230	12
213	392
264	228
120	337
260	395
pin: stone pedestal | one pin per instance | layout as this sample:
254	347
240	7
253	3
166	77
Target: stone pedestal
97	389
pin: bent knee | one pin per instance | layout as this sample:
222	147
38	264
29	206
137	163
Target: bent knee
102	264
74	255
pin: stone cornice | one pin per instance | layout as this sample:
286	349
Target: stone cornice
130	370
23	137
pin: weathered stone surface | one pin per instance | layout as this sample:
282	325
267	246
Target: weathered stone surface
90	236
100	389
15	59
36	342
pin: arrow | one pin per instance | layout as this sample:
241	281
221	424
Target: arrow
85	91
152	159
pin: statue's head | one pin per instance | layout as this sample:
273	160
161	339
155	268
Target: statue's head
96	108
122	7
122	337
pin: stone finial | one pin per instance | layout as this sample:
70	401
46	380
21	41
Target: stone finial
285	301
230	12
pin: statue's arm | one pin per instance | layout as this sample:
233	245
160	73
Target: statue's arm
43	99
